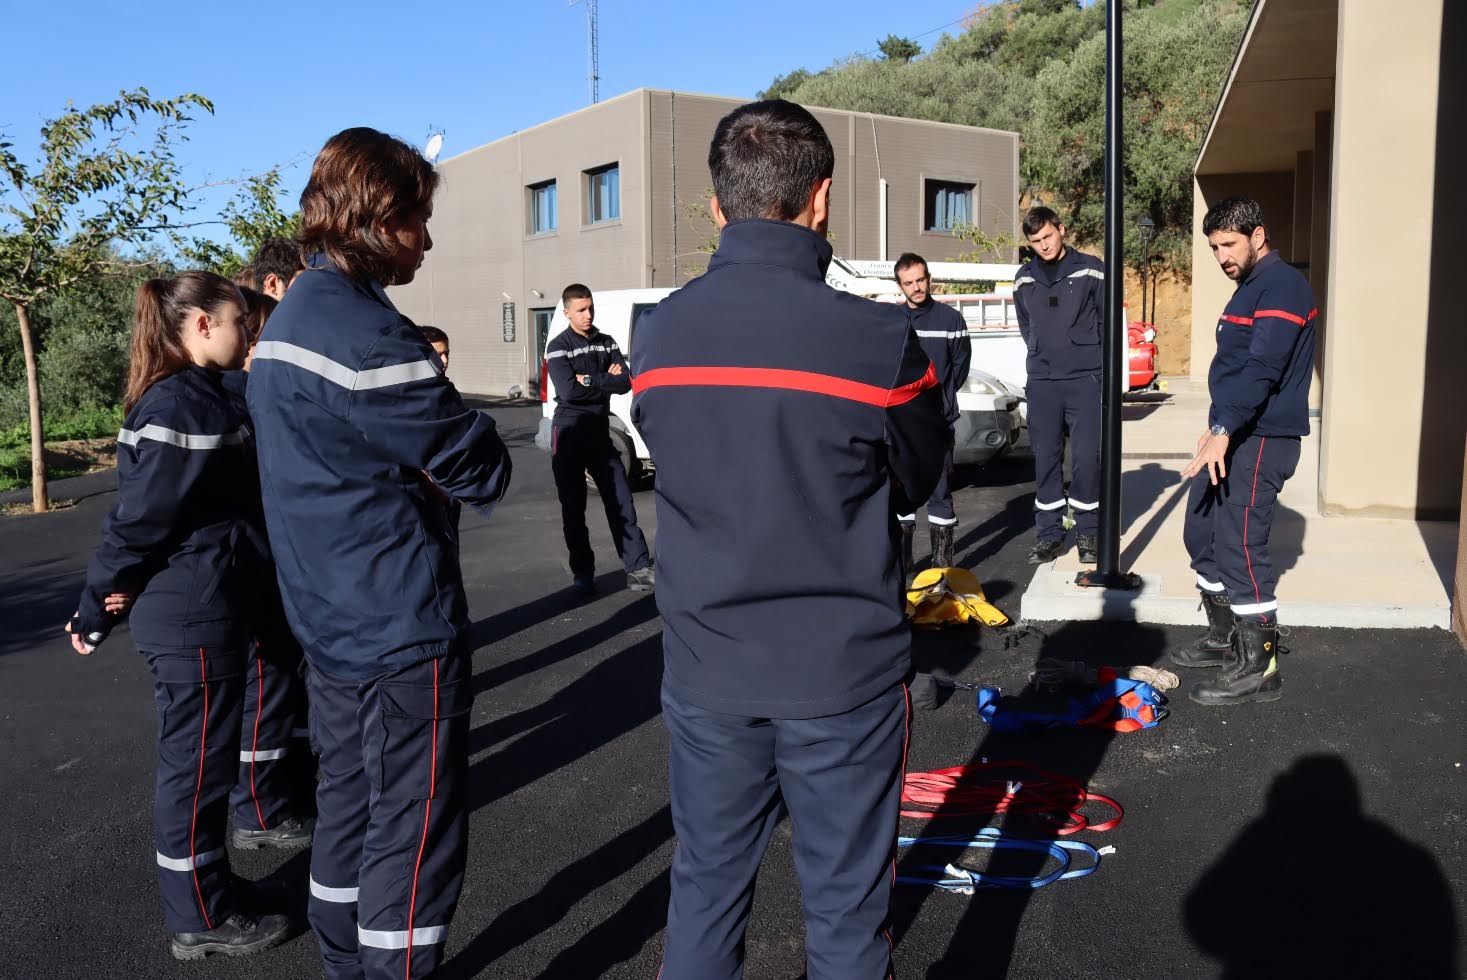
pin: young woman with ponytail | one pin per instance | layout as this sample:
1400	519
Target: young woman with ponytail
185	547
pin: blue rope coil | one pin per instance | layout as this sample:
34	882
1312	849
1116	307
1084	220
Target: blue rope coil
951	878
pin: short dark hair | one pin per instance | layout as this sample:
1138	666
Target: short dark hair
1241	214
433	335
906	261
1036	218
765	159
279	257
574	291
362	178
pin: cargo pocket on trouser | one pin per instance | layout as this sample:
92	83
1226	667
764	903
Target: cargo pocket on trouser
413	855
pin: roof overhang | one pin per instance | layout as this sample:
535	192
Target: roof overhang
1283	74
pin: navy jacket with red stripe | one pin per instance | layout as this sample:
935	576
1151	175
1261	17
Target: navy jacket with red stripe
1259	379
790	423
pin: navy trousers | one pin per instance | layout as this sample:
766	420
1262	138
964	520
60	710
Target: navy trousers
731	777
1227	526
392	823
940	504
200	697
582	444
1057	408
270	772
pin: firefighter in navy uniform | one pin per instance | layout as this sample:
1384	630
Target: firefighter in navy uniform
587	368
1259	385
943	335
1060	298
784	453
351	408
184	551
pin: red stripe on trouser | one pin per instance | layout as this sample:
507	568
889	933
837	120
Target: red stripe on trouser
1247	554
198	787
427	813
255	738
906	742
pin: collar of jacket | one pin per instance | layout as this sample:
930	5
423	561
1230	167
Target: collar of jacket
1263	265
781	243
373	288
917	313
1060	267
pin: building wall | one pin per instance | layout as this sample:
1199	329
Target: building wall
1380	286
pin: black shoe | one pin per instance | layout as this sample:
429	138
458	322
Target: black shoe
1046	550
642	580
238	935
584	584
1215	647
1089	549
1253	674
290	834
942	545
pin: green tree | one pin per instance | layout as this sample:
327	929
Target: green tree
105	176
252	216
899	49
783	85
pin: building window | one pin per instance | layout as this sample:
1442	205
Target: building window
603	194
542	208
946	204
540	320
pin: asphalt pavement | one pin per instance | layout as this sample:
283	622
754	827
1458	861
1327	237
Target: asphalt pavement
1322	835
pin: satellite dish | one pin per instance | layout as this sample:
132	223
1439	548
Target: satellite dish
434	147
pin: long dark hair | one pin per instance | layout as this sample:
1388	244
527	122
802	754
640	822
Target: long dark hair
159	312
360	179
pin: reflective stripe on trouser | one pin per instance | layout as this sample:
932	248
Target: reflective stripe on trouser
839	777
1228	526
1057	408
940	505
199	697
392	821
261	796
583	445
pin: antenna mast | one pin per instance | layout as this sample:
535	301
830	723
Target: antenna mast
591	30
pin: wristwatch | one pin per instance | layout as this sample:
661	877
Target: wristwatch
1219	430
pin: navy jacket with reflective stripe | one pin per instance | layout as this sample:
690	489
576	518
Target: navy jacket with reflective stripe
570	355
350	405
1259	378
782	414
186	531
1061	309
943	334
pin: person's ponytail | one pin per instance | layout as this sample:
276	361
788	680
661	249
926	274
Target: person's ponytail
159	310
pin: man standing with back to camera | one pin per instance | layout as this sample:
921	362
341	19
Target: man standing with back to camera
790	423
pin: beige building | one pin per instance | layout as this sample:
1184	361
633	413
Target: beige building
615	196
1347	120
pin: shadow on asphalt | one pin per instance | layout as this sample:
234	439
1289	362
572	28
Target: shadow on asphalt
983	944
40	598
1316	888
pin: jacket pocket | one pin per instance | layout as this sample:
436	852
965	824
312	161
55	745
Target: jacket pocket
423	715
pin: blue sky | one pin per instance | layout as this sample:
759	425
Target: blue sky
284	77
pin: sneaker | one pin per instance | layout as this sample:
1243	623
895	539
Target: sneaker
238	935
1089	549
584	585
642	580
290	834
1046	550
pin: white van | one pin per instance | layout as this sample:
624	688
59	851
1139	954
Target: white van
990	424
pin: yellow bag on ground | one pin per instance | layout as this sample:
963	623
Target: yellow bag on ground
950	597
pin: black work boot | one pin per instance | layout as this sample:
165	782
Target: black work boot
238	935
1089	549
289	834
1046	550
1253	675
909	530
942	545
1215	647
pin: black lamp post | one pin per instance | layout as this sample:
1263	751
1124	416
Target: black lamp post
1147	228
